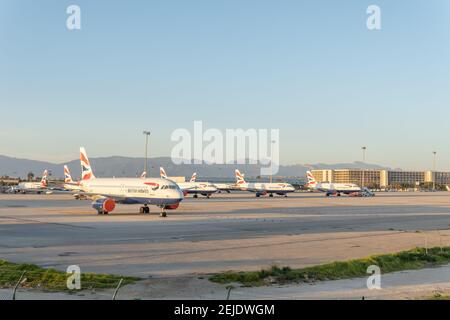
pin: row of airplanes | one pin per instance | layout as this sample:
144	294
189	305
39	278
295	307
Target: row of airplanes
163	192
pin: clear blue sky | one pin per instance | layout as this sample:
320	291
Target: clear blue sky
310	68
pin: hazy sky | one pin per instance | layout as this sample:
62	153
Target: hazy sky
310	68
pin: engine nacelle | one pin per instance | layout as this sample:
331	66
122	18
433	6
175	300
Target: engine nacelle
104	205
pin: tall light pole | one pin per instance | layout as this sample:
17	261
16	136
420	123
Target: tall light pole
434	170
147	134
364	161
272	142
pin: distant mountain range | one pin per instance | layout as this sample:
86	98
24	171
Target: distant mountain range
117	166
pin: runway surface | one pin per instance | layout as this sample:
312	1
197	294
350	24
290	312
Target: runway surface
226	232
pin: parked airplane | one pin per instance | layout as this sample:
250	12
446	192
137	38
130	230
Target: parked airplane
261	189
227	187
106	192
336	188
193	187
69	184
34	187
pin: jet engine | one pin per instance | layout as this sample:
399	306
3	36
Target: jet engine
104	205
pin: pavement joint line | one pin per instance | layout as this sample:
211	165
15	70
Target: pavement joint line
42	222
179	253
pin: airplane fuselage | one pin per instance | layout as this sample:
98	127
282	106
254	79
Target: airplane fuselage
159	192
263	188
338	188
203	188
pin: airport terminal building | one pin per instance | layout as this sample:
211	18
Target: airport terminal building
382	178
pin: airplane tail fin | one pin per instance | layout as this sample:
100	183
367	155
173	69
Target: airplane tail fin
194	177
67	176
312	182
239	177
86	170
144	175
162	173
44	180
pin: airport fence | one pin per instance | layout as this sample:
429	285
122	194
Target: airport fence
50	280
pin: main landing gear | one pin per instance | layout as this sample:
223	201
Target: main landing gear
145	209
100	212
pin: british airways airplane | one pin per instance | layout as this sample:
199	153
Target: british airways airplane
106	192
33	187
262	189
333	188
69	184
193	187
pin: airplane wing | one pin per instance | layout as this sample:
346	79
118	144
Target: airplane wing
96	196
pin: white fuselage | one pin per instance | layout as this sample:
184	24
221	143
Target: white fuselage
330	188
226	186
160	192
30	187
197	187
72	186
262	188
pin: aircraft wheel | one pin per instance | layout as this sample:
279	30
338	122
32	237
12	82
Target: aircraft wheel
271	195
141	210
146	210
163	214
195	196
338	194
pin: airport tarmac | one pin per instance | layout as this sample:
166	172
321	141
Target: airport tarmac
227	232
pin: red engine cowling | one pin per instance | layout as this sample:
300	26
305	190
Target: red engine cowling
104	205
172	206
